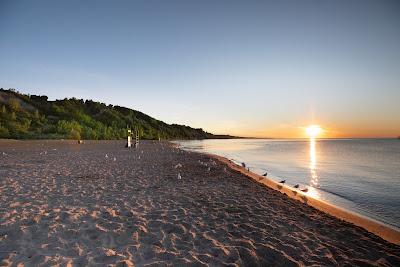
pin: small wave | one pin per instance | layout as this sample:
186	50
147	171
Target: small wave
336	194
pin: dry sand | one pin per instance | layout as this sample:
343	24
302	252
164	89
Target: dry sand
100	203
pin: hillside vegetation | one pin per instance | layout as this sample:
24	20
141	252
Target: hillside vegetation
35	117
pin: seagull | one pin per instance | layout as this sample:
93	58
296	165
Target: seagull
243	165
305	190
296	186
115	159
106	156
265	174
179	176
178	166
282	182
209	169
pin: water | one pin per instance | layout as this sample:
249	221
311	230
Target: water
360	175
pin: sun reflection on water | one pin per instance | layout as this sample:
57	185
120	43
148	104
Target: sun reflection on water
313	170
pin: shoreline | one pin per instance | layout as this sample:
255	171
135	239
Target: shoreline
378	228
100	203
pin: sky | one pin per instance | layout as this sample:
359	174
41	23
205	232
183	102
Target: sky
247	68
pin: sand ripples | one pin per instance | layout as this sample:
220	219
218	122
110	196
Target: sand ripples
74	205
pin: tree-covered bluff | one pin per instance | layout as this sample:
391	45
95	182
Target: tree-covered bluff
35	117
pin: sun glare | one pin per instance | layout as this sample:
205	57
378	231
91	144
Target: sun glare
313	131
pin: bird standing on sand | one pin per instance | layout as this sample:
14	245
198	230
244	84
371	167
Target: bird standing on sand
296	186
282	182
265	174
178	166
243	165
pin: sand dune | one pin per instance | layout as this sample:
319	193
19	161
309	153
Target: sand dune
100	203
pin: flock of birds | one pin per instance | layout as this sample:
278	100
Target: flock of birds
204	164
305	190
178	166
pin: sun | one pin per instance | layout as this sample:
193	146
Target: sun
313	131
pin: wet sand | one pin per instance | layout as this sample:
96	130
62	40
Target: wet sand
100	203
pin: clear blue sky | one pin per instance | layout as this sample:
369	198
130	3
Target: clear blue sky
263	68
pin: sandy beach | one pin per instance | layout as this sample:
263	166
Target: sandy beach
102	204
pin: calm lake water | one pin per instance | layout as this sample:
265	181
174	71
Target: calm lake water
361	175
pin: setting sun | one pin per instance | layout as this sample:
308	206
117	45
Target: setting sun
313	131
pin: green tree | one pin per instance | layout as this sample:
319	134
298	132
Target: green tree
70	129
74	134
4	133
13	116
14	104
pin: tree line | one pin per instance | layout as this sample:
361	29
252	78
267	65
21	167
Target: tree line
35	117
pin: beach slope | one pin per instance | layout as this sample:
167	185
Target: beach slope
101	203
